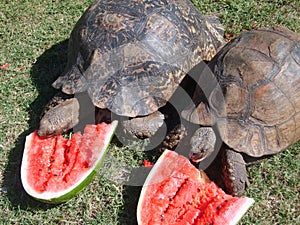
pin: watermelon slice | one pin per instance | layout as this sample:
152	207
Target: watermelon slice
175	192
55	169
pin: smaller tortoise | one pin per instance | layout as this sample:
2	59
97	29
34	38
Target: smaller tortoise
129	57
255	104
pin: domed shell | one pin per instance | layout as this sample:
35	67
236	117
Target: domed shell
257	103
131	55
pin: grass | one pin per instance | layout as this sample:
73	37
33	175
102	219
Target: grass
33	40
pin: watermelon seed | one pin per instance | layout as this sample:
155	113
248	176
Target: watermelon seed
162	217
219	207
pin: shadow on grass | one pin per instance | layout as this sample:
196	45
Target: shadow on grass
46	69
131	196
43	73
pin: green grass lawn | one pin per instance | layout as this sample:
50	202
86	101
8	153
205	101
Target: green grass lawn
33	41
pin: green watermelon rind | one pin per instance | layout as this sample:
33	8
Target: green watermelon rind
148	181
65	195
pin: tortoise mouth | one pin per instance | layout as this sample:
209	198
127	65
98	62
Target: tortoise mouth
41	133
46	133
196	158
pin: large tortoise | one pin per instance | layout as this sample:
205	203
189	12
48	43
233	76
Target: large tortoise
255	104
130	56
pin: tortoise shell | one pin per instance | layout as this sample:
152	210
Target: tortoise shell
131	55
256	105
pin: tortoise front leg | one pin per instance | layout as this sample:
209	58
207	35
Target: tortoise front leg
234	172
145	126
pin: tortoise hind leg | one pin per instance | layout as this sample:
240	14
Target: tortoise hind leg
234	172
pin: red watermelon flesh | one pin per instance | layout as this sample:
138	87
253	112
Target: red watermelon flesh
175	192
58	167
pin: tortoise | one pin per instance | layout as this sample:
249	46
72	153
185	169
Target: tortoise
255	105
129	57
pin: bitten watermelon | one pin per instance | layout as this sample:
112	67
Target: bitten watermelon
175	192
55	169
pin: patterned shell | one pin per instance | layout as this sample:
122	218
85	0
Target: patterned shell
130	55
259	77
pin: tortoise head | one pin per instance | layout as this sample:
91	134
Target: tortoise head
60	118
202	144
